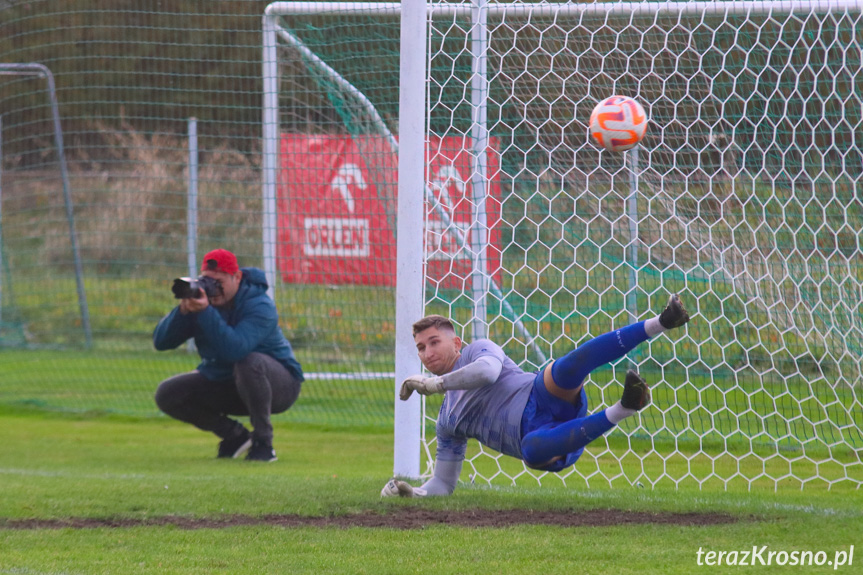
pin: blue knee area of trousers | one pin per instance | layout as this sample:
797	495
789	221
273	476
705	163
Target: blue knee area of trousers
571	370
561	464
544	411
553	440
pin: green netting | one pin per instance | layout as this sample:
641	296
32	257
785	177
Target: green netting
128	81
11	325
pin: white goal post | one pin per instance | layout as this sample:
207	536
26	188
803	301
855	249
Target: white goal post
745	197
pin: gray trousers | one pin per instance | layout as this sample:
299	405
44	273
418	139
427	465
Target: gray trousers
260	386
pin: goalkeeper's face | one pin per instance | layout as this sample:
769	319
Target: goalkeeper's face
438	349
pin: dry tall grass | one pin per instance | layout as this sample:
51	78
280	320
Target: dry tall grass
131	203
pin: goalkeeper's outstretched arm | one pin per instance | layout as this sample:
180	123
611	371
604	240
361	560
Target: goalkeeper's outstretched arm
445	477
448	464
443	482
484	371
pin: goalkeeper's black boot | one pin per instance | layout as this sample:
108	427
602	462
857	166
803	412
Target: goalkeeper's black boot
674	314
233	447
636	394
261	451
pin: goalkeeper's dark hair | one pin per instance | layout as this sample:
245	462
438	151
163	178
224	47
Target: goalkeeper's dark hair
433	321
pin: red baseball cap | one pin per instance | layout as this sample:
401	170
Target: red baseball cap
220	260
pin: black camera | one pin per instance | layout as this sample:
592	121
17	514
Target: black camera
185	288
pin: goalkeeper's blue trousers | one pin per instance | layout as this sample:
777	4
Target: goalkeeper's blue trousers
554	428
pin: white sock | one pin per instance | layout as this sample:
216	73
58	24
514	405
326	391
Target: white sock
652	327
617	413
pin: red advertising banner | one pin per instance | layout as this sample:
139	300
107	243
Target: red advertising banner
337	203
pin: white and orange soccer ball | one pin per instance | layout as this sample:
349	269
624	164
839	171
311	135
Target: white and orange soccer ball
618	123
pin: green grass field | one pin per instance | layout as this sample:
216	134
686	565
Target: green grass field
108	467
83	445
694	434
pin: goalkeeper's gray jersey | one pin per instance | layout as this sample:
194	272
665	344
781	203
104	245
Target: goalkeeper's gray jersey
490	414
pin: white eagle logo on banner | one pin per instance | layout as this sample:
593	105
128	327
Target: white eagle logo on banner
348	175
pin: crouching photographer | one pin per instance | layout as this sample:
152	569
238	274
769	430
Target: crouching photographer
247	366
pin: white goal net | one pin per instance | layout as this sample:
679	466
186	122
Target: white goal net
745	198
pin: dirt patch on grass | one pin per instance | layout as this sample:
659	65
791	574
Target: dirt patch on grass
398	518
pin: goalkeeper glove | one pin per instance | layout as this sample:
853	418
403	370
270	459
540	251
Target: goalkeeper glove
422	385
396	487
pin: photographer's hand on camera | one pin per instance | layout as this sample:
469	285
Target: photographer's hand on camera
194	305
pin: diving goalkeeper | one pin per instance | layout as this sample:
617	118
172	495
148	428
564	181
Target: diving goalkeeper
540	418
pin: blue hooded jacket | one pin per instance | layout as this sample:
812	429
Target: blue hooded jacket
226	335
